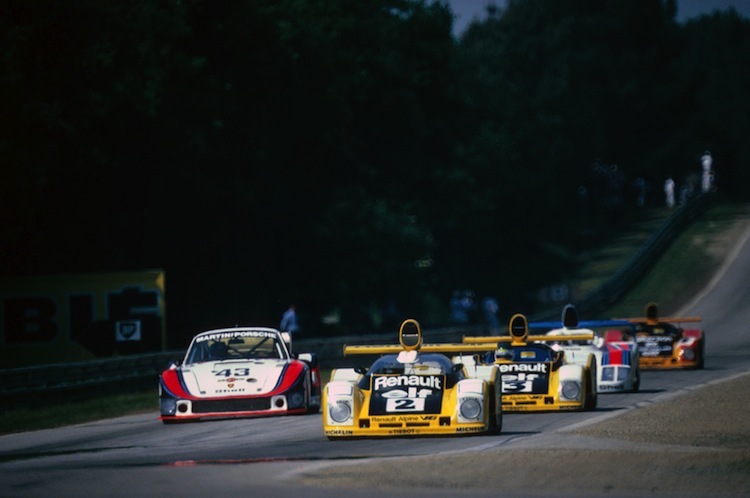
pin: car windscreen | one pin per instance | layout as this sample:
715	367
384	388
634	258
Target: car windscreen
240	345
531	353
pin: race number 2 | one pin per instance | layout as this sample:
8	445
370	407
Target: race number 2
405	405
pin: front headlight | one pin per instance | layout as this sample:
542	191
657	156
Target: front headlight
168	406
688	354
470	408
623	373
296	400
340	411
571	390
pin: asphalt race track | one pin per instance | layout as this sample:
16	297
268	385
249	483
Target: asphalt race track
139	456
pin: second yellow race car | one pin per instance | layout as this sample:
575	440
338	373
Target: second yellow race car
537	377
412	389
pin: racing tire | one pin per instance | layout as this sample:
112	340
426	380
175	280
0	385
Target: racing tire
637	382
591	388
495	421
173	421
496	424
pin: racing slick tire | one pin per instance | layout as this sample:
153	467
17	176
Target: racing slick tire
311	406
496	424
495	421
313	409
637	382
591	394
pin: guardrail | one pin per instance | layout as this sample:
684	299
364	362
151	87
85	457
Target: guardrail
614	288
76	379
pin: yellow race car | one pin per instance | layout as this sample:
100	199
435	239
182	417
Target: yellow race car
536	376
412	389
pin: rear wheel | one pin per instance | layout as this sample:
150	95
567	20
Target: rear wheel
637	381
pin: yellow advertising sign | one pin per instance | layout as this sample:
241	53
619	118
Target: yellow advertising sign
63	318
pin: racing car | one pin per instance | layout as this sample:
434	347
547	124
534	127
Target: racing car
665	344
239	372
617	359
412	389
536	377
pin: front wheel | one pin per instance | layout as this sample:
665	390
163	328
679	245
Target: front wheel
701	355
495	424
591	391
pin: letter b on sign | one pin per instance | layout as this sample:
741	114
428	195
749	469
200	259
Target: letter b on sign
29	320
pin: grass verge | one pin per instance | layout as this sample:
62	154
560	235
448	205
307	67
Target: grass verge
63	413
688	264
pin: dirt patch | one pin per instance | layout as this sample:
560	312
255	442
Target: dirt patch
695	444
710	417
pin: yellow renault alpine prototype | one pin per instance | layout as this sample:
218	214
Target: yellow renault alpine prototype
412	389
535	376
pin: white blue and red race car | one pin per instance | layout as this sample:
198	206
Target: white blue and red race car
239	372
617	358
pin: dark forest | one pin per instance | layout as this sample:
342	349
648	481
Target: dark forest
351	157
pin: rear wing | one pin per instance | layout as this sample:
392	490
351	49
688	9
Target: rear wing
519	335
669	319
410	339
652	317
425	348
584	324
529	338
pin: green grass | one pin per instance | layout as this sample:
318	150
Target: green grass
677	276
688	264
59	414
64	413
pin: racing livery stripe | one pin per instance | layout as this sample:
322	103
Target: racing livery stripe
616	354
172	381
289	377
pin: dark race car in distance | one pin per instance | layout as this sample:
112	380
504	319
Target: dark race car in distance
664	343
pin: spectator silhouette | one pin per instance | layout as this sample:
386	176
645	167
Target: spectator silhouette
289	320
